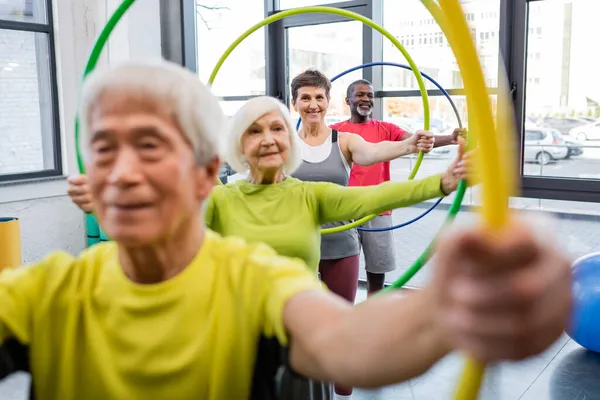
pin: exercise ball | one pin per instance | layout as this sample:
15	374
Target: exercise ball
585	319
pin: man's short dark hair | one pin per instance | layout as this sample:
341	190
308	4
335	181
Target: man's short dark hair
351	87
312	78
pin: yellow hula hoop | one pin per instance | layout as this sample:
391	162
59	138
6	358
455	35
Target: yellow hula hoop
356	17
124	6
498	173
496	145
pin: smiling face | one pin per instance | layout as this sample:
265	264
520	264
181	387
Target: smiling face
143	174
266	144
361	101
311	103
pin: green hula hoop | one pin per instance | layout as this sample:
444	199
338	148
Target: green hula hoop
123	7
455	207
93	61
437	14
356	17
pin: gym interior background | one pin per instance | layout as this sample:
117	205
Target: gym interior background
545	46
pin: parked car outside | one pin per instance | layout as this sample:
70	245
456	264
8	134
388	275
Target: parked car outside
575	146
586	132
563	125
543	146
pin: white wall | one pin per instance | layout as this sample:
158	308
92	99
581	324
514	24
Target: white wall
49	221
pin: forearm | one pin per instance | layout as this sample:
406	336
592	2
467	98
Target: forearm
443	140
439	140
343	203
361	349
380	152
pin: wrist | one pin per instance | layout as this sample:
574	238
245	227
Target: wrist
412	149
447	184
405	148
438	337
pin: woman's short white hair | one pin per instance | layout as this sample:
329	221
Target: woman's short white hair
241	121
190	103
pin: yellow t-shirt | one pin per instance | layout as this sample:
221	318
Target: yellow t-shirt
91	333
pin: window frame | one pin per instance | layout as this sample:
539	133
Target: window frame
512	41
515	54
372	48
276	32
57	156
460	91
190	35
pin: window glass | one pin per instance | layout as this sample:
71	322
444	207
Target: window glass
561	93
285	4
415	28
26	111
331	48
219	23
23	10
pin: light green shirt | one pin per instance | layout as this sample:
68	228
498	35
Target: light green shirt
288	216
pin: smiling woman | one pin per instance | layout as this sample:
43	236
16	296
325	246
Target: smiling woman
286	212
267	119
268	159
328	156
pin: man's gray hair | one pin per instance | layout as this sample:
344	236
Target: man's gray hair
190	103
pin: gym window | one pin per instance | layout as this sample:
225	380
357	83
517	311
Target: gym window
29	122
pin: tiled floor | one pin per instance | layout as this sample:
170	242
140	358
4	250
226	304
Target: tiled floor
15	387
531	379
527	380
577	237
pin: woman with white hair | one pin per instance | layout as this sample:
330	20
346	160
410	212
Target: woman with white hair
284	212
287	214
170	309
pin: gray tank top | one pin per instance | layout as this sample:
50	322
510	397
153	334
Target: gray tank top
333	169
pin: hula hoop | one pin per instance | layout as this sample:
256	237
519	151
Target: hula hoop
403	66
353	16
460	124
498	174
407	223
93	61
122	9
